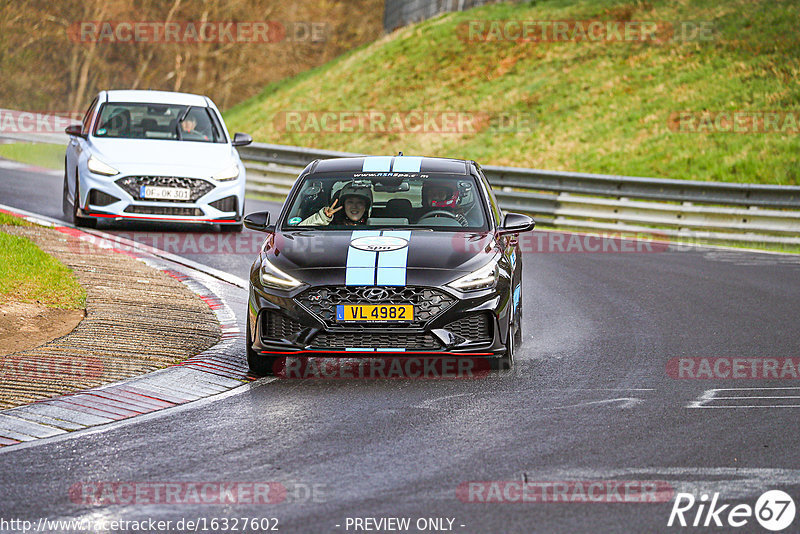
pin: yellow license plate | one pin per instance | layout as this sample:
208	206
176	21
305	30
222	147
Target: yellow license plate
374	312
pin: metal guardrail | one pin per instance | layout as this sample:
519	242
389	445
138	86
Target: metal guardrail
399	13
683	209
30	127
747	213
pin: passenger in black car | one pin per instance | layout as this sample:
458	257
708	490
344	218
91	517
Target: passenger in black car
354	211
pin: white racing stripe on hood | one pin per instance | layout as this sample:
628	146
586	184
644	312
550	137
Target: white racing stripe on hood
360	266
392	264
367	268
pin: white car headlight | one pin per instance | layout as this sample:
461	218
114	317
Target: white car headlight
228	173
274	278
483	278
98	167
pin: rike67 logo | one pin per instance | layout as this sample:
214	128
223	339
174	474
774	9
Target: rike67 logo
774	510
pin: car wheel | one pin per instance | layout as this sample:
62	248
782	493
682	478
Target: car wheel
518	320
83	222
259	364
65	205
518	334
506	361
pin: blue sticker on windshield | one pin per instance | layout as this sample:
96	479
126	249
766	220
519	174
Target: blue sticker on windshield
295	220
101	131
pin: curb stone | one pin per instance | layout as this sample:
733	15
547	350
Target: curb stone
213	371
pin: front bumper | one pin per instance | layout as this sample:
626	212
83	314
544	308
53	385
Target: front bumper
102	197
282	325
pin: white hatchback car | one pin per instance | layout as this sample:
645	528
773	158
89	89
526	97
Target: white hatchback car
157	156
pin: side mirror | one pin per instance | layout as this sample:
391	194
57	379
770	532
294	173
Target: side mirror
258	221
74	130
241	139
516	223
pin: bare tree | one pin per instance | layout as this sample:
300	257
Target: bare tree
46	65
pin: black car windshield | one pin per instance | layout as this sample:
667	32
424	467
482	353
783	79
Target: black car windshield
158	121
387	200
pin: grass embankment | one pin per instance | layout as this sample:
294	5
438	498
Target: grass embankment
601	107
29	275
46	155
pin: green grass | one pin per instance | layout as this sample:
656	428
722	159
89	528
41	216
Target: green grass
29	275
46	155
600	107
13	221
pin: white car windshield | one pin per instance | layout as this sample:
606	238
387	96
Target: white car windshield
158	121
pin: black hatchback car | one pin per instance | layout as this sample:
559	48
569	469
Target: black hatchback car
387	256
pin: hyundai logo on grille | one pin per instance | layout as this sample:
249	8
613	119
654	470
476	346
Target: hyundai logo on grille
375	293
379	243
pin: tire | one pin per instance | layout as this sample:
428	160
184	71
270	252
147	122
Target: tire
259	364
66	207
506	361
233	228
81	222
518	334
518	320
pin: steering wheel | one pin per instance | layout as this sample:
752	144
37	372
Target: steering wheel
439	213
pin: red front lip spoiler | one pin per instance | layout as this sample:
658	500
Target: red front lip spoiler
189	220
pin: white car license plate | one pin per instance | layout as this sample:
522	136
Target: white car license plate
153	192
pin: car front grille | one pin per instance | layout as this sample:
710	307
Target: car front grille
276	326
473	328
132	185
375	340
160	210
322	301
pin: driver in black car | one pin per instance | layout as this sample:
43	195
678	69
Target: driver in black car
440	196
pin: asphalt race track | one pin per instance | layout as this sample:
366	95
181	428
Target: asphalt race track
589	400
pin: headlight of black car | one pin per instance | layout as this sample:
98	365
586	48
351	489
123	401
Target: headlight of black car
273	278
484	278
